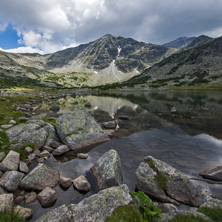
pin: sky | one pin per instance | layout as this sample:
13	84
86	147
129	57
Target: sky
46	26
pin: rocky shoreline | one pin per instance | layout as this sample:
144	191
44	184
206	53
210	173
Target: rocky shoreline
73	131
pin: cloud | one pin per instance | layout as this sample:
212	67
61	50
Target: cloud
52	25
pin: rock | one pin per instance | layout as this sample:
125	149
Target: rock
47	197
6	126
23	167
8	118
213	203
173	110
60	214
40	160
12	122
214	174
78	129
16	146
23	119
28	150
48	148
31	156
88	105
107	170
6	202
163	182
25	213
10	162
167	208
44	154
110	124
55	144
195	214
123	117
94	208
65	182
82	184
40	177
2	155
10	180
1	174
19	199
55	108
49	128
82	155
30	198
2	191
1	130
28	133
60	150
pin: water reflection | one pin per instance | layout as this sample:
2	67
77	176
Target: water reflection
190	140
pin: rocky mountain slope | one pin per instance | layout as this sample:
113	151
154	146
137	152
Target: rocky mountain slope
189	67
180	42
106	60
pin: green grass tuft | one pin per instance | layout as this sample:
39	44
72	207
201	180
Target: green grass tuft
10	216
213	213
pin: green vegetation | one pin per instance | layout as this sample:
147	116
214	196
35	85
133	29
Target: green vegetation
124	214
29	145
214	214
147	208
187	218
204	87
10	216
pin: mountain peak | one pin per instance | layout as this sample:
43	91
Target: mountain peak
180	42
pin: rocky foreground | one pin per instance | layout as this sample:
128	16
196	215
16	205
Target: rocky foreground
76	130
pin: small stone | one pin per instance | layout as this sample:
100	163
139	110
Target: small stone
12	121
48	148
6	126
40	160
55	108
23	167
31	156
28	150
25	213
8	118
30	197
47	197
19	199
37	152
60	150
81	184
65	182
82	155
10	162
6	202
173	110
44	154
55	144
110	124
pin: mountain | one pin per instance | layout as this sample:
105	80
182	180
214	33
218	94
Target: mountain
190	67
199	41
180	42
107	60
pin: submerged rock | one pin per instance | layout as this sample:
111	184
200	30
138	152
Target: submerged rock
40	177
163	182
94	208
11	162
107	170
78	129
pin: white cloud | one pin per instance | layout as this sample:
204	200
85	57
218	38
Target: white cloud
26	49
52	25
3	26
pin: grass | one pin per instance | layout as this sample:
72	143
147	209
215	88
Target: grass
208	87
187	218
213	213
124	214
10	216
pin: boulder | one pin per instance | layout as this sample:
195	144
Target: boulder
65	182
11	162
82	184
49	128
47	197
214	174
78	129
10	180
6	202
107	170
25	213
164	183
23	167
94	208
40	177
28	133
60	150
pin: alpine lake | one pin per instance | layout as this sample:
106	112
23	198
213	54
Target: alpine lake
190	140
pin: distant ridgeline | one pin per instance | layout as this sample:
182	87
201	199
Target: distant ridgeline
117	62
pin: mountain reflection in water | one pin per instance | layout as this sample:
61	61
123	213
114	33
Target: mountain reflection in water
189	140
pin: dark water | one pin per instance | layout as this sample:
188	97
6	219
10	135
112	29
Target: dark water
190	141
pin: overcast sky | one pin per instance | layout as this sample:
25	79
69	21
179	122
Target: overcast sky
50	25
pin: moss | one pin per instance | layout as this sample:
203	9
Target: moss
213	213
29	145
187	218
124	214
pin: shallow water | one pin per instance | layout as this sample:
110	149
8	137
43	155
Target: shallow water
191	140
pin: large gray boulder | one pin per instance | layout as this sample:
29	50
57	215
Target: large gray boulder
28	133
107	170
10	180
40	177
78	129
163	182
11	162
92	209
6	202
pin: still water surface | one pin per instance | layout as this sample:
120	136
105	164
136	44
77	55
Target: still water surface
190	141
